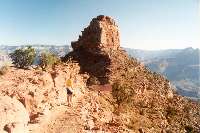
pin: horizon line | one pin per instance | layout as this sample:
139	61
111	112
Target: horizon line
18	45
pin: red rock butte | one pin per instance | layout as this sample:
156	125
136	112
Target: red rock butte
101	35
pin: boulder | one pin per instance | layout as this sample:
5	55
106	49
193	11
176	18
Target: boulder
14	117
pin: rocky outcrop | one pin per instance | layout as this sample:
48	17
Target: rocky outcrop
14	117
101	35
95	46
144	99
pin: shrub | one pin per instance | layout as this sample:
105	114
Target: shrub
122	93
47	59
171	111
24	57
3	70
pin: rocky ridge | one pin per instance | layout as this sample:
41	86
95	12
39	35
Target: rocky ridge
146	98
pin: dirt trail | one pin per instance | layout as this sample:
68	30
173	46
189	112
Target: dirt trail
68	122
62	119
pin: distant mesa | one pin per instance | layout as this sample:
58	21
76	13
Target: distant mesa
101	35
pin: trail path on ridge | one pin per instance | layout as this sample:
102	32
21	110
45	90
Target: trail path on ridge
62	119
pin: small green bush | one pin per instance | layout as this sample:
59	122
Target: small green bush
47	59
171	111
24	57
122	93
3	70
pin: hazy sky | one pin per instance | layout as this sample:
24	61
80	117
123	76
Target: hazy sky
144	24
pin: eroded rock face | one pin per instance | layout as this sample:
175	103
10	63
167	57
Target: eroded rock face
14	117
101	35
95	46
